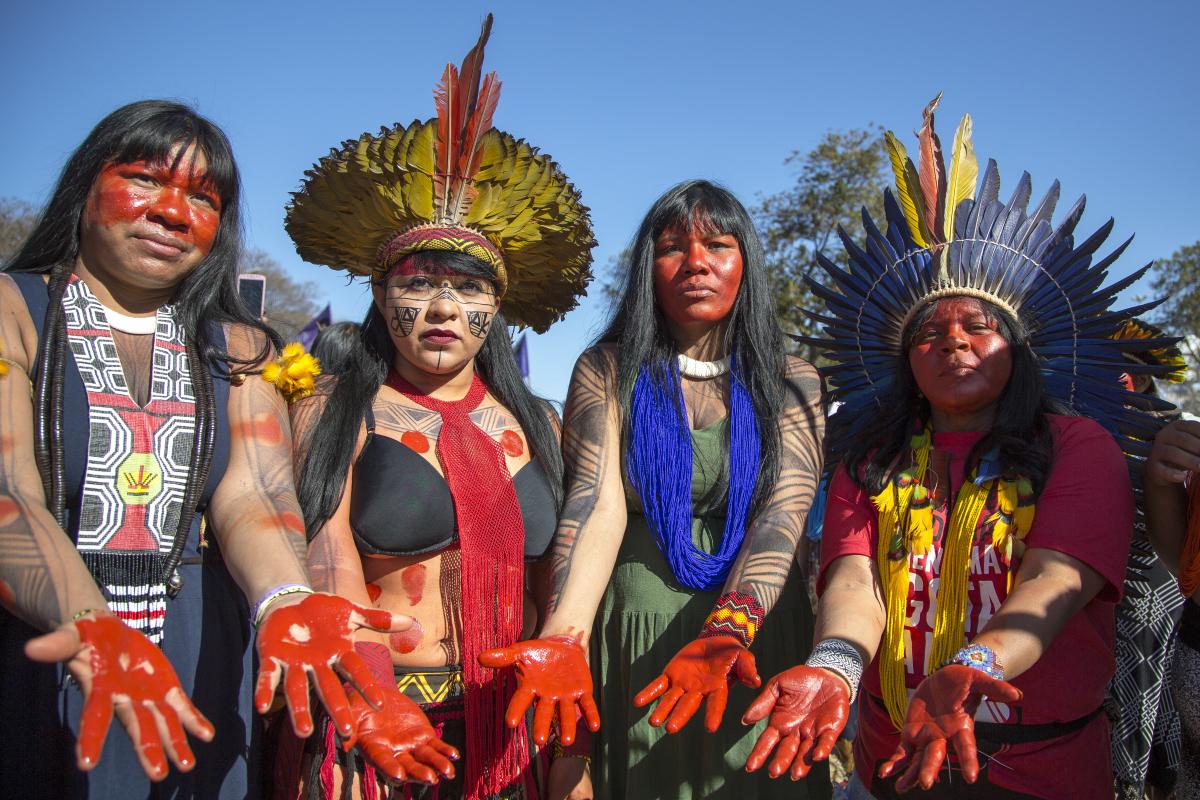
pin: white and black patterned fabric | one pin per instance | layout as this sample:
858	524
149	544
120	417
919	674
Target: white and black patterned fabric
138	460
1145	725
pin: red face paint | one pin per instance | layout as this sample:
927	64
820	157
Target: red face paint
406	641
413	580
697	274
172	211
959	359
373	592
1127	381
415	441
512	444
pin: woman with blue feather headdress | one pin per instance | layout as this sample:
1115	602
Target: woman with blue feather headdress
978	522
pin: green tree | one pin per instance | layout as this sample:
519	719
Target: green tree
846	171
1178	279
16	221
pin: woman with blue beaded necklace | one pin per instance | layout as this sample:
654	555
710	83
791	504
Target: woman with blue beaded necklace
692	448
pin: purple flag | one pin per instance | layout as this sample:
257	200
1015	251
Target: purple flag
309	332
521	354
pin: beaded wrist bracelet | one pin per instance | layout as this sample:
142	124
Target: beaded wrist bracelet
264	602
980	657
838	655
736	614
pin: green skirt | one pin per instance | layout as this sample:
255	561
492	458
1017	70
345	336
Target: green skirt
644	619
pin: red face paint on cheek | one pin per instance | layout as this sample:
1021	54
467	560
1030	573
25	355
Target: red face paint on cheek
959	359
115	199
406	641
512	444
180	203
413	580
697	275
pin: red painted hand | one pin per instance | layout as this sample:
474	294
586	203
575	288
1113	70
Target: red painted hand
943	709
554	671
313	636
702	669
398	739
120	670
808	707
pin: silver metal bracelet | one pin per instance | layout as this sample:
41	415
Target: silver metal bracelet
838	655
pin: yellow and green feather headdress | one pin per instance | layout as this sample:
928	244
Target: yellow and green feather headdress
451	183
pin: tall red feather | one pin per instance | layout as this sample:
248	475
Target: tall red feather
932	171
462	121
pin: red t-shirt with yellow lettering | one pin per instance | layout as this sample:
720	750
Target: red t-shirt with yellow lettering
1085	511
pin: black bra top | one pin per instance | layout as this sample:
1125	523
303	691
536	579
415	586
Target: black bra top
401	506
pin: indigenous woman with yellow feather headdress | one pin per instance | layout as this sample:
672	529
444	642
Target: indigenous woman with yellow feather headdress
428	473
976	531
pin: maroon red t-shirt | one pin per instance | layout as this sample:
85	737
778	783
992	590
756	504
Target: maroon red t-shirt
1084	511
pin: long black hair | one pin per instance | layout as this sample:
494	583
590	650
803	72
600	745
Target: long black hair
330	445
334	347
640	331
154	131
872	448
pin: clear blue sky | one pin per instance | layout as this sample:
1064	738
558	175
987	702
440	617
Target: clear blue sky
632	97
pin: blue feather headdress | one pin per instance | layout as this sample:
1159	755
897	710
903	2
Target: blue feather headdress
947	237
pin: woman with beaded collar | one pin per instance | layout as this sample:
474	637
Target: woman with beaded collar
976	531
692	448
429	473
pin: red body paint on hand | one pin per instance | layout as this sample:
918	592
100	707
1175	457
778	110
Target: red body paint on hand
399	740
512	444
312	636
413	580
701	670
554	671
942	711
125	664
417	442
809	707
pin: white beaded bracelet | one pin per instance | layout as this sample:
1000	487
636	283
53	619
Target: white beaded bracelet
838	655
260	608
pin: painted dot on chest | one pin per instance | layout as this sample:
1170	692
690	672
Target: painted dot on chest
415	441
512	443
406	641
373	591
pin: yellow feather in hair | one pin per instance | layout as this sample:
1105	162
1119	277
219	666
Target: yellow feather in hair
964	172
1025	507
908	188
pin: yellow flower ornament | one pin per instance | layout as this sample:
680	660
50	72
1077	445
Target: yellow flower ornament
293	373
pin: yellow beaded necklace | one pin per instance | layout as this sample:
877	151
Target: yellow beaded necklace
906	511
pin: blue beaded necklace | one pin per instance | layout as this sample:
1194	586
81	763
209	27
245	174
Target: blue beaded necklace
659	466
